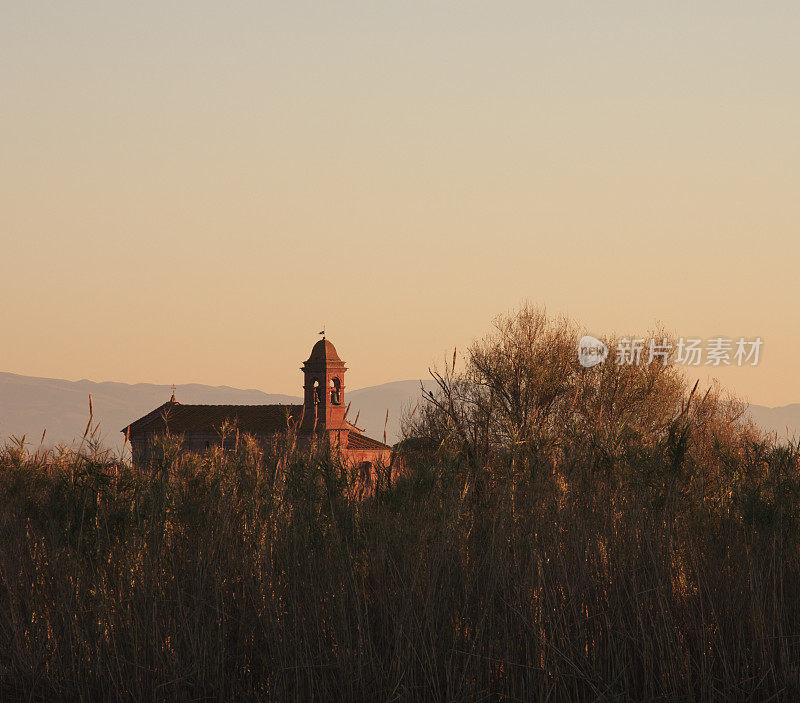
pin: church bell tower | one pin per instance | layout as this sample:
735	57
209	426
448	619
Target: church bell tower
323	399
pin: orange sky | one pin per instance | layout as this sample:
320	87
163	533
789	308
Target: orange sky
188	190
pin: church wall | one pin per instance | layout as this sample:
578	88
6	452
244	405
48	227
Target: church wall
373	456
199	442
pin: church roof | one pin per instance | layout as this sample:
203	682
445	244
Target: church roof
180	418
356	440
249	419
323	351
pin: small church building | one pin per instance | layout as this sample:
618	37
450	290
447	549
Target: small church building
322	416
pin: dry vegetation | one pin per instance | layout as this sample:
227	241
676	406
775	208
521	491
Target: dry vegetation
560	534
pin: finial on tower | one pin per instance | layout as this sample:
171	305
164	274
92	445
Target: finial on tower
172	399
323	331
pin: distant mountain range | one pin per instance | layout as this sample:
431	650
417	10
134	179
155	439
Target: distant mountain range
785	420
30	405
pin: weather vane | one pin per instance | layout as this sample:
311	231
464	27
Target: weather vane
323	331
173	393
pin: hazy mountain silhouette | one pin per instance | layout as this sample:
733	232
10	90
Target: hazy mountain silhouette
29	405
785	420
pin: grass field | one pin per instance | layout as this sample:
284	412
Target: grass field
644	556
250	577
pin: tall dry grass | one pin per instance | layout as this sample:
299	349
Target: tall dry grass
557	536
247	577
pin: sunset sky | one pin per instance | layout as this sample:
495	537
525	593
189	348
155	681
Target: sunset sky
190	189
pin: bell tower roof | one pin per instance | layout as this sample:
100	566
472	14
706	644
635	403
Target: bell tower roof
323	352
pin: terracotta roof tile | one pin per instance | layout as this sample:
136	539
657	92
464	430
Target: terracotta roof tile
323	351
179	418
356	440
